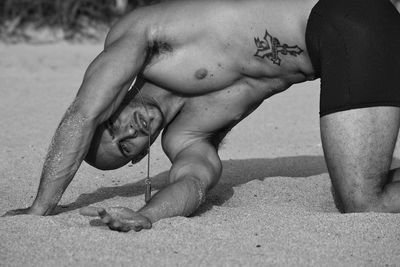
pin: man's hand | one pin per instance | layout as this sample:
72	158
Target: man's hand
28	210
118	218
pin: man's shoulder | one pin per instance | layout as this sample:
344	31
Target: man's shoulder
174	19
133	23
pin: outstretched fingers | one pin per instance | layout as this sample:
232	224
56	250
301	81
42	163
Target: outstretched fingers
134	219
17	212
119	218
114	223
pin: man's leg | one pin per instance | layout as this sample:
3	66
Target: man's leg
358	146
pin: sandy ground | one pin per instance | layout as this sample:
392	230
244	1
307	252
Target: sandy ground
273	205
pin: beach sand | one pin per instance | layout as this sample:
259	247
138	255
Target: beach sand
273	205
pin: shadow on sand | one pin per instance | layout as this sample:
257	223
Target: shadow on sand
235	172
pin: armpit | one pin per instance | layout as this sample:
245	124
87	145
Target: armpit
155	48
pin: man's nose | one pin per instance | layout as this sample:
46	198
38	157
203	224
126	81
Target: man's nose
125	132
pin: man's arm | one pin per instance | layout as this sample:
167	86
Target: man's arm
105	83
195	170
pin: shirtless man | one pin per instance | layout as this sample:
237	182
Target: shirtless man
235	54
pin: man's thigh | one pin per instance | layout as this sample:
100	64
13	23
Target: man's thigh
358	146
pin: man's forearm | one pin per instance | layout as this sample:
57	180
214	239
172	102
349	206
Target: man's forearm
195	169
67	151
180	198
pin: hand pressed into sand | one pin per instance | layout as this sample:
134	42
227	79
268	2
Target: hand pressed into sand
118	218
17	212
25	211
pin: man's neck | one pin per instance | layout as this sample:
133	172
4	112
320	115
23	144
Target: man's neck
170	104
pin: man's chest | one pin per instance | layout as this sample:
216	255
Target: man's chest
220	111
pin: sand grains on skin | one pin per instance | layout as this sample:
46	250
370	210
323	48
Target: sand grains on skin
273	205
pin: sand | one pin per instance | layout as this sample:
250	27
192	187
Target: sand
273	205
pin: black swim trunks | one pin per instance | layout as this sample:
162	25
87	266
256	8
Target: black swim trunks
354	46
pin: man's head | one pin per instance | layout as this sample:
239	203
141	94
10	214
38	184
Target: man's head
124	137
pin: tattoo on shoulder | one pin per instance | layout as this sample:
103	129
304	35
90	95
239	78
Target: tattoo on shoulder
270	48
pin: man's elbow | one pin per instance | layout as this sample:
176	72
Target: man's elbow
207	176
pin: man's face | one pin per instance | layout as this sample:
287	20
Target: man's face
124	137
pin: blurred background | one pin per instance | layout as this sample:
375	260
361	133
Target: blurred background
44	21
52	20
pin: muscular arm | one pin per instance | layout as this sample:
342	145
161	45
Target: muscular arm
195	170
105	83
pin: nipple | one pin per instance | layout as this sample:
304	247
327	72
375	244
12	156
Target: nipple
201	73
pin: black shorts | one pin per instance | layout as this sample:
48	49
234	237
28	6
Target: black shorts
354	46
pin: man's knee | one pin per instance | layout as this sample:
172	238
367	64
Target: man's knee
357	202
361	205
